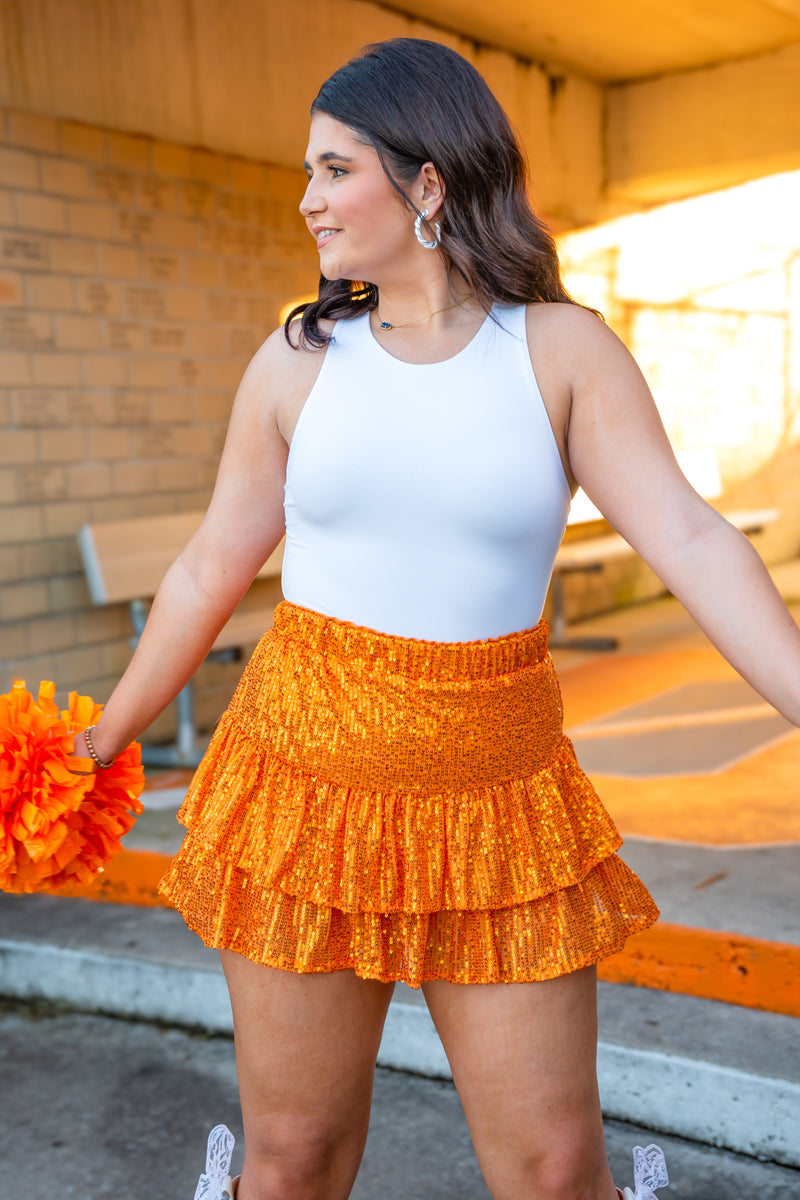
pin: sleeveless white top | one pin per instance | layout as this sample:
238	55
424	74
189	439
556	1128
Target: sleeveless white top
425	501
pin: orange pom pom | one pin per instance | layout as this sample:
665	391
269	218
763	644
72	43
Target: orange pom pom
57	827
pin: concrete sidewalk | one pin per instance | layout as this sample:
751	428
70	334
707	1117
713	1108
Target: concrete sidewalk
98	1109
711	1072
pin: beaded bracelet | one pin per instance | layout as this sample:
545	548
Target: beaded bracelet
95	757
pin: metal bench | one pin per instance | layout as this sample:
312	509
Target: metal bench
125	561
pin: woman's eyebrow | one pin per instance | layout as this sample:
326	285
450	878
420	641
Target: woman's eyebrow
327	157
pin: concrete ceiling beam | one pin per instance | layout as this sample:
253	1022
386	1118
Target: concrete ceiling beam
699	131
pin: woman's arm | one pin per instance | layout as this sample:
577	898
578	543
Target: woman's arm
241	528
619	453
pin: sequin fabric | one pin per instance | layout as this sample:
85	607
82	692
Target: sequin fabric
411	810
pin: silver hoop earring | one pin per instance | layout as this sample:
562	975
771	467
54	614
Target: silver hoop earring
423	241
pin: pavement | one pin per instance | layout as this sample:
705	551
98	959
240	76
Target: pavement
716	1083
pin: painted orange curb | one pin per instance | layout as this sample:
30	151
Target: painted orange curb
717	966
671	958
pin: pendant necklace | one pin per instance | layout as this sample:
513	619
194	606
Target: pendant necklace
456	304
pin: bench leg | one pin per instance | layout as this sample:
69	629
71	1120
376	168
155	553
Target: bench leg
559	639
186	751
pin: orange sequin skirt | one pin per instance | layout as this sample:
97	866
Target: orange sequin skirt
411	810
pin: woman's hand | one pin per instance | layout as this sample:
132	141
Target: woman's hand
81	750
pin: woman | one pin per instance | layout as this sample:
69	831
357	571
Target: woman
390	795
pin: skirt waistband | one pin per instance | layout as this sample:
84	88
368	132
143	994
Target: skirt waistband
422	660
370	710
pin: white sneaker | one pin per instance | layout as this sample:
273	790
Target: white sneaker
215	1183
649	1173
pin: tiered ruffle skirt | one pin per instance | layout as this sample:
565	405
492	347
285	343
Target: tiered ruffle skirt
411	810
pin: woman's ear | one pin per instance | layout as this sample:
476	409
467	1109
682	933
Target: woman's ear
432	189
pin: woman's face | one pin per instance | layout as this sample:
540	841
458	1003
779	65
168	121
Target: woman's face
362	227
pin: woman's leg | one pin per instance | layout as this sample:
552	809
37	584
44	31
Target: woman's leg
305	1053
523	1061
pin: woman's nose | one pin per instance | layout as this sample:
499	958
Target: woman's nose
312	202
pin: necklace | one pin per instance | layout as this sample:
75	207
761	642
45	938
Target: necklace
456	304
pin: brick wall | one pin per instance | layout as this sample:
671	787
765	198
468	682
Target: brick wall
137	278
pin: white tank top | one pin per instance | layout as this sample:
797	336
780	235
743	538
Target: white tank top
426	501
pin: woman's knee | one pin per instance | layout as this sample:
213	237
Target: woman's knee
561	1171
299	1161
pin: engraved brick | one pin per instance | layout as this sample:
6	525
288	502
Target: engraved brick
247	176
103	299
262	310
169	407
19	446
96	221
116	656
55	369
163	268
35	211
120	508
157	194
120	262
176	476
64	177
211	406
225	372
149	372
109	444
223	307
26	331
64	518
110	621
89	479
88	408
78	333
125	335
114	186
18	169
136	227
38	406
188	373
211	168
185	305
10	558
207	339
233	206
144	301
244	341
6	207
69	593
204	272
15	367
24	251
40	483
54	292
10	289
24	524
82	141
168	159
131	478
171	338
31	130
284	184
105	370
8	492
177	233
191	441
155	442
5	407
130	408
62	445
250	243
215	237
27	599
240	276
55	556
126	150
197	199
72	257
53	633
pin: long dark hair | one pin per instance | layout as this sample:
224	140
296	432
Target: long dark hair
416	101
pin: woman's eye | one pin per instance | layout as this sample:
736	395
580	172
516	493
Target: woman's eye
337	172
